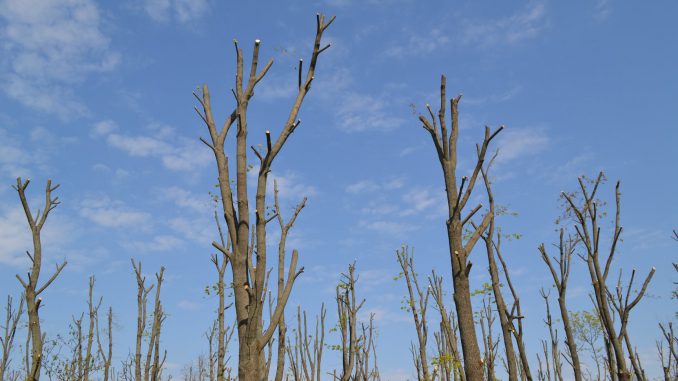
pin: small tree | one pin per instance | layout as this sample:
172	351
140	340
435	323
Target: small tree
12	318
32	290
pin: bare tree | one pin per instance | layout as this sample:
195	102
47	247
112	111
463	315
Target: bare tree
561	275
515	314
554	358
607	301
305	355
247	253
32	290
669	360
457	197
152	365
505	318
449	357
12	318
417	303
105	357
347	311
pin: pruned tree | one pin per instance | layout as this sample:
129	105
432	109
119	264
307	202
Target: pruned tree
458	194
561	275
152	365
32	290
248	254
366	368
553	360
608	301
105	357
669	360
449	358
505	316
417	304
306	352
12	318
347	311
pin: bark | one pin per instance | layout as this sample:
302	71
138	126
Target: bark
502	311
247	252
31	289
446	148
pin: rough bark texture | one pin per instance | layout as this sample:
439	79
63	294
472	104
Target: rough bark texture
247	253
31	289
457	197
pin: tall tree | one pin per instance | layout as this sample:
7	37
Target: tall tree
32	290
505	318
457	197
248	254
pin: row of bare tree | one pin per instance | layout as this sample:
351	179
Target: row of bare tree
455	353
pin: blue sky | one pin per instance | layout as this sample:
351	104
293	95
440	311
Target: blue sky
97	96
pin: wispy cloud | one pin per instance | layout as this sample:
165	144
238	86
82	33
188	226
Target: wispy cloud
418	44
519	142
183	11
368	186
158	243
16	238
602	9
389	227
47	47
176	152
113	214
362	112
508	30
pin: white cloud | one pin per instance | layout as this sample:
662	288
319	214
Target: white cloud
361	112
113	214
158	243
362	187
518	142
186	199
48	46
184	11
387	227
418	44
507	30
176	152
15	236
602	10
421	199
103	128
368	186
188	305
